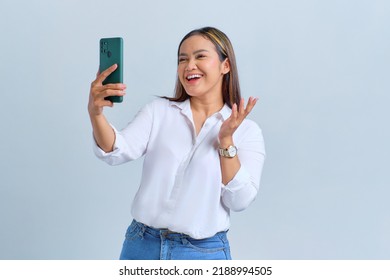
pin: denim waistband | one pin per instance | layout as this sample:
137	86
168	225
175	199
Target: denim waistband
166	233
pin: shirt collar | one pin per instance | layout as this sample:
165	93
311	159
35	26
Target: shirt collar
180	105
225	112
185	107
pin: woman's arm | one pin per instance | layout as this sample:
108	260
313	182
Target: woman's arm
242	190
102	131
241	174
230	166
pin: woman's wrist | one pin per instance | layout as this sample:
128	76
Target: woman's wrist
226	142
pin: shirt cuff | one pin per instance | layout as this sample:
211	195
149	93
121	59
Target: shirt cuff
110	157
238	182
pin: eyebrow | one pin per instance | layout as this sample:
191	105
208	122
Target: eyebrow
195	52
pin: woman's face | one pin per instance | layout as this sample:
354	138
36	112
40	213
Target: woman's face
200	71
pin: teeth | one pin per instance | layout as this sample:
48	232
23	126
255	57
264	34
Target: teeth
193	76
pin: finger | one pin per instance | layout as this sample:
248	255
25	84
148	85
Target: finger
251	103
115	86
109	103
242	105
98	104
111	92
102	76
105	103
241	111
109	89
234	111
99	92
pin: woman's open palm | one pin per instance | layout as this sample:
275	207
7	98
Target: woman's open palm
230	125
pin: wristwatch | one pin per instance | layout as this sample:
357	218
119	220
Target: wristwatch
229	152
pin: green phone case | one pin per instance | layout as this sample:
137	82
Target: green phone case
111	52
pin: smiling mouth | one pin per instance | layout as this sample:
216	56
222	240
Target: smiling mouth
193	77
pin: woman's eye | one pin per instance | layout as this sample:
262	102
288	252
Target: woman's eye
200	56
182	59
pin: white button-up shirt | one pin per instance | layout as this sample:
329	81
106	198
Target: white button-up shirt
181	187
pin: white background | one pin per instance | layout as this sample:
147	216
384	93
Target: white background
320	69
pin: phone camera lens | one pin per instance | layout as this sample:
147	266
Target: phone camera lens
109	54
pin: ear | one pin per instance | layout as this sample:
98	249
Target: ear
225	66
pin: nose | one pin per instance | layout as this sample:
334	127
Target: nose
191	65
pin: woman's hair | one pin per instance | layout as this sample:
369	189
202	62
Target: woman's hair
230	85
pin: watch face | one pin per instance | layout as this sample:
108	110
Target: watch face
232	151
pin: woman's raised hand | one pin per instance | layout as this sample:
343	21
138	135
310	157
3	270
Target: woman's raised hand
230	125
99	91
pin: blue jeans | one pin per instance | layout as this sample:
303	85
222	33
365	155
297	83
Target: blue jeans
146	243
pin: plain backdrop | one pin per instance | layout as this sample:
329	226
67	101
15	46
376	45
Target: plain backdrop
320	68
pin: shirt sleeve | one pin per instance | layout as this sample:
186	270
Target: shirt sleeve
242	190
131	142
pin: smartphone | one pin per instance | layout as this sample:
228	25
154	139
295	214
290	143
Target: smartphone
111	52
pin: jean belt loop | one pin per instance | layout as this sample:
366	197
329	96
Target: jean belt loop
183	238
143	227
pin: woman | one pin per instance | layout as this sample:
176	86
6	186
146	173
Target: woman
203	158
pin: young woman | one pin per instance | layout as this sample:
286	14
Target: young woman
203	158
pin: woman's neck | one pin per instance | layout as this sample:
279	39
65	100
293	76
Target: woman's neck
206	107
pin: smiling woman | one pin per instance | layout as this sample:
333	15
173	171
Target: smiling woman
200	71
222	46
203	158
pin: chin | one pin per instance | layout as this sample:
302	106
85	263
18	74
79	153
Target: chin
191	92
194	94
